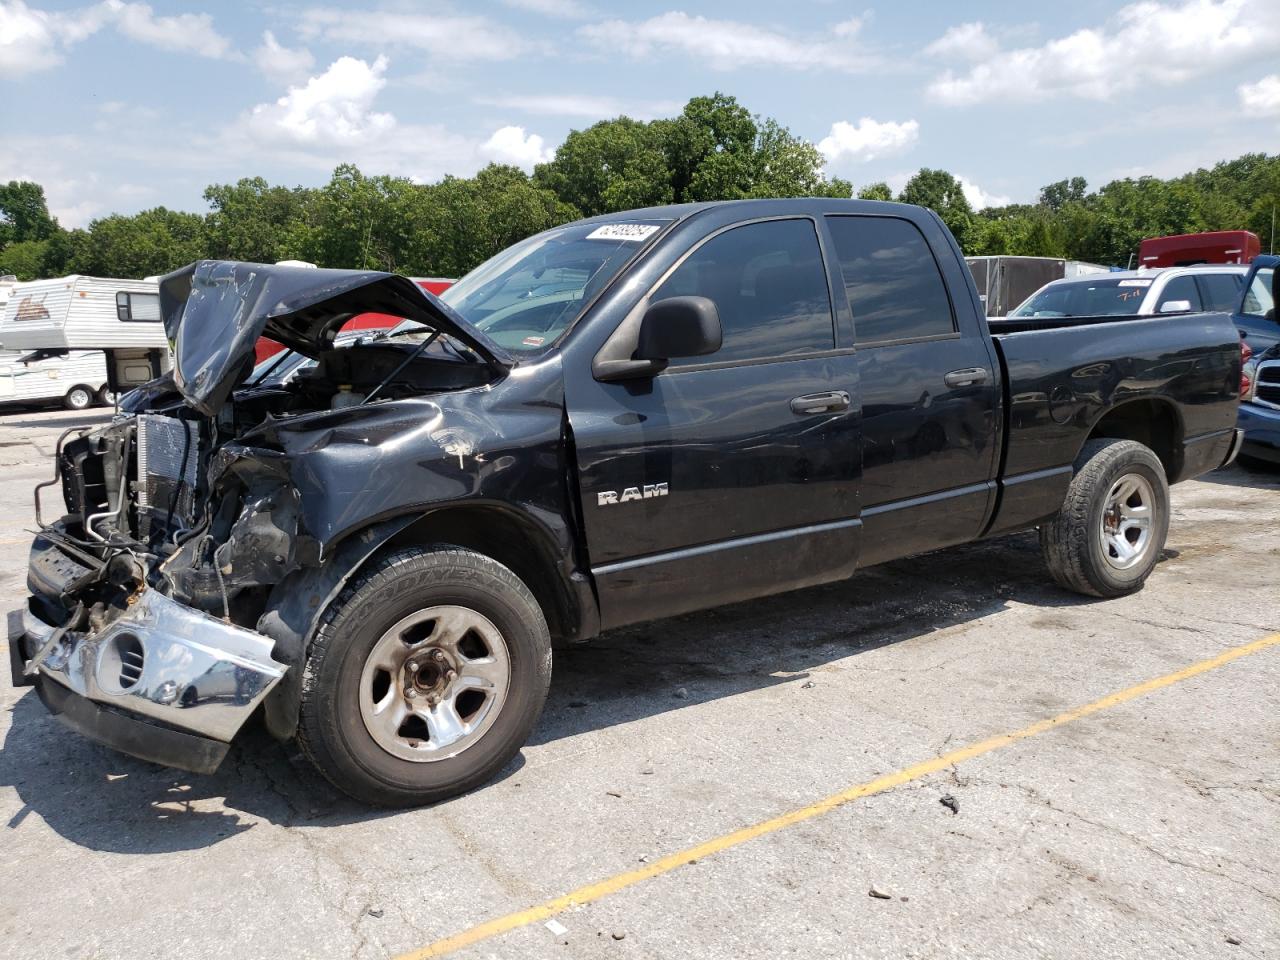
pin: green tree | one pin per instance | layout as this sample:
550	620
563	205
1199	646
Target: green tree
612	165
876	191
942	193
24	214
149	243
254	221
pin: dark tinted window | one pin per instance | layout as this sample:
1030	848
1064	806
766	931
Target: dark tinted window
893	283
1181	288
768	284
1222	291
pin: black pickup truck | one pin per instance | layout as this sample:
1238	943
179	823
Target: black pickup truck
616	420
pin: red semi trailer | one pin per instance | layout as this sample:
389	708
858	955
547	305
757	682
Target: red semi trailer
1188	249
365	321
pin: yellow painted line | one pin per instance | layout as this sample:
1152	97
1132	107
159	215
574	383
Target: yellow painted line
603	888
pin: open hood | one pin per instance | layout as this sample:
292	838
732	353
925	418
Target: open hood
215	310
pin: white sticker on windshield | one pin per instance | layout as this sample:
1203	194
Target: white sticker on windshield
1134	283
633	232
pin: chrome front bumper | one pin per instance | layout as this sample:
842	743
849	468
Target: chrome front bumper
162	662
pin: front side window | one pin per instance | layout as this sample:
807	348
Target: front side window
1258	302
141	307
895	289
769	287
1181	288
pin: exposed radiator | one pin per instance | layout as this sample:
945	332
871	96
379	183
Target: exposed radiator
168	465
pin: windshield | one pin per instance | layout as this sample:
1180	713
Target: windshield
530	293
1086	298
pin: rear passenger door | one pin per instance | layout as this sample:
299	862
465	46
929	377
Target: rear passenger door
930	387
734	474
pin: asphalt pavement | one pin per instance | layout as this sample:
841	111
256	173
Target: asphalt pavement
946	756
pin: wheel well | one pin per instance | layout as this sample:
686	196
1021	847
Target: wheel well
1152	423
510	539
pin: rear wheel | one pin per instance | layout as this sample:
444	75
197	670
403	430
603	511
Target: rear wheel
1107	538
78	397
426	676
105	398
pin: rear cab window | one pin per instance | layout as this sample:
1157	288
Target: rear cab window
1221	291
769	286
895	288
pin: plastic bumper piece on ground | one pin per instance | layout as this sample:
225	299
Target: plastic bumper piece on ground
162	682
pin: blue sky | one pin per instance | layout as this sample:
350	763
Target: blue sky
117	106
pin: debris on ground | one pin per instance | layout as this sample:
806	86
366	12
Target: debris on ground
879	894
1234	941
619	935
681	693
950	802
613	793
375	912
807	685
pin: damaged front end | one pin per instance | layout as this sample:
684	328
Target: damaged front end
153	620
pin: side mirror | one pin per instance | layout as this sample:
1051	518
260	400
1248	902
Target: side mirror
679	327
1176	306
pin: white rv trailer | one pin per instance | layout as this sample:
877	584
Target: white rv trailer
82	313
77	313
76	377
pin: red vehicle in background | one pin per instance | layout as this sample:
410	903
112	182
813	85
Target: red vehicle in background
364	321
1188	249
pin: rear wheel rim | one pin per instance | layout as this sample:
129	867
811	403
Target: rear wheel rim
1128	517
79	398
434	683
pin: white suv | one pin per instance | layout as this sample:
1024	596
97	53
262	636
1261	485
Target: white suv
1138	293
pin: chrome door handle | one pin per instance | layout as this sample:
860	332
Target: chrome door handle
829	402
968	377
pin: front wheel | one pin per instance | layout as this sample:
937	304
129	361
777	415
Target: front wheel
78	398
426	676
1107	538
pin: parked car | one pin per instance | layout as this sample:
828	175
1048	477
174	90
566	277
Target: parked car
1137	293
1004	282
619	419
1259	327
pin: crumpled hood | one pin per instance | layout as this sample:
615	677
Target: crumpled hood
215	310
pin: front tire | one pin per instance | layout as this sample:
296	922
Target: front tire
1108	536
426	676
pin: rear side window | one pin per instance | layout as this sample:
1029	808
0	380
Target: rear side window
1221	291
894	286
768	284
1181	288
143	307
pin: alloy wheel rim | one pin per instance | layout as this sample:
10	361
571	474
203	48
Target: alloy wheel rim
434	683
1126	522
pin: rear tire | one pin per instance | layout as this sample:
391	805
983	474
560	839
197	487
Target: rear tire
426	676
104	397
78	397
1108	536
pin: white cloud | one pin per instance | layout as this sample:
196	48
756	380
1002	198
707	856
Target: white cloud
282	63
512	145
333	118
563	9
334	107
1147	44
444	36
33	40
728	44
967	41
188	32
1261	98
978	198
868	139
584	105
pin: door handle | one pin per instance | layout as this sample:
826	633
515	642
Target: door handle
968	377
828	402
